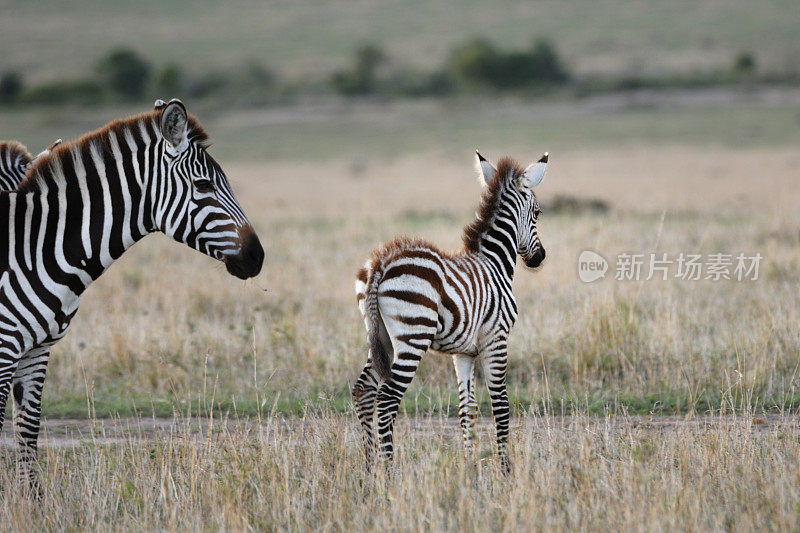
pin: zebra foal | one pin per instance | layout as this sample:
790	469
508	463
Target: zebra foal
78	208
414	297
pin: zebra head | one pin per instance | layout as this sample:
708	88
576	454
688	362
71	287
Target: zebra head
530	246
193	203
526	207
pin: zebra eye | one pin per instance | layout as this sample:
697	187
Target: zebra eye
204	185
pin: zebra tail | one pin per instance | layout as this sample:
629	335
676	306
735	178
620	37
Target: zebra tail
378	336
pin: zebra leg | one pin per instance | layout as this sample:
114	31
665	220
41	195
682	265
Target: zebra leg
8	365
9	359
495	366
467	406
409	348
27	387
364	395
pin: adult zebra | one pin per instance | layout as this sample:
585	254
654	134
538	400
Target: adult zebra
413	297
78	209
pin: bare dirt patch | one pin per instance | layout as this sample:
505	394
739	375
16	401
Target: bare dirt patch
70	433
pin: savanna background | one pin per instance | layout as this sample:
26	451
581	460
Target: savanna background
182	397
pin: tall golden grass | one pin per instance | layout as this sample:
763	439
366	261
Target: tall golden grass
165	322
575	473
168	325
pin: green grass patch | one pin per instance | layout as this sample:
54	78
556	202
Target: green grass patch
419	401
450	126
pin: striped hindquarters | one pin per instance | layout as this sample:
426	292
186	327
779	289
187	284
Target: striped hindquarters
412	290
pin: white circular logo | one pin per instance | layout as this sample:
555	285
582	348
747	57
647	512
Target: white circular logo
591	266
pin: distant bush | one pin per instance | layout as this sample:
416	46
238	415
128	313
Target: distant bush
125	73
169	81
544	63
473	61
251	83
411	83
256	84
64	92
210	83
478	62
11	87
361	77
744	63
258	75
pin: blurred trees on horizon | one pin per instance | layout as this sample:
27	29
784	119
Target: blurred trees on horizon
474	65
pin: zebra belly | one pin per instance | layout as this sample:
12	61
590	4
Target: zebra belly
31	333
449	345
458	323
468	350
29	340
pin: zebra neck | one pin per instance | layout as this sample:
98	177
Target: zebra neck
499	244
88	210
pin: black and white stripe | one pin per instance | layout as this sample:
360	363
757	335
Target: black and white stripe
413	297
77	210
14	162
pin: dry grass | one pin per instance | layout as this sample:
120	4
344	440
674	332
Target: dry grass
569	474
170	335
167	330
259	372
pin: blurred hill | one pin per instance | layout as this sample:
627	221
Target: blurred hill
48	40
319	80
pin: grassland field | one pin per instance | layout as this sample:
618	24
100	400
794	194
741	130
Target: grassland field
257	374
252	379
150	337
183	398
575	473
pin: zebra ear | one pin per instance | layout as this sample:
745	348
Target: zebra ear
159	104
534	174
173	123
486	171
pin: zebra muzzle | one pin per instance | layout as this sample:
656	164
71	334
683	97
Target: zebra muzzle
247	263
536	258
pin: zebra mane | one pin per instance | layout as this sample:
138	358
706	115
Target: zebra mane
41	172
508	171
